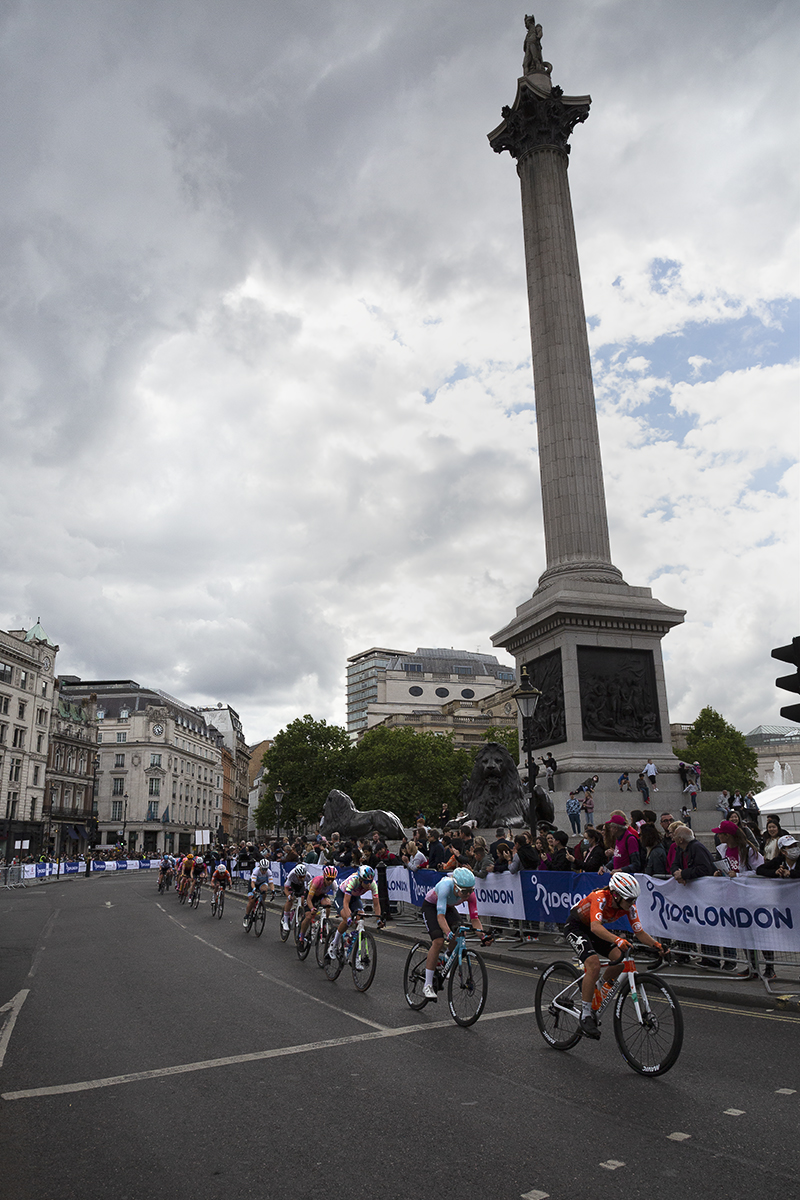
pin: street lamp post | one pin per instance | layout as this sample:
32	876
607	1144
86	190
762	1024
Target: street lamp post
527	697
279	794
124	822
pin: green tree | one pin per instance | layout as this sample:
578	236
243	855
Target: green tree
307	759
507	736
724	756
408	771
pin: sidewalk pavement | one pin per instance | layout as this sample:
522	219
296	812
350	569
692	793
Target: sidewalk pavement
715	988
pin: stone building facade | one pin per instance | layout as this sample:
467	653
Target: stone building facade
70	805
27	678
159	771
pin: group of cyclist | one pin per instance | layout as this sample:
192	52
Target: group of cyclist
586	928
190	871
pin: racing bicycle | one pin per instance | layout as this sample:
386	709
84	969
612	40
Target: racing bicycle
218	903
194	895
296	909
164	880
647	1018
256	919
464	972
317	935
357	947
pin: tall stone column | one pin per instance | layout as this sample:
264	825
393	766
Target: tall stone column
589	641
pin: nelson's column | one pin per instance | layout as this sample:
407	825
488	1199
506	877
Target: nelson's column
589	641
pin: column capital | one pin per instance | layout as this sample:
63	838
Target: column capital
540	117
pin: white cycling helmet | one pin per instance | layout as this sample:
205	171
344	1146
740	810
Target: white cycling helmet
264	864
301	870
624	885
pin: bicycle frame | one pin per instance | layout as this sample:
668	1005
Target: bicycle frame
628	972
457	953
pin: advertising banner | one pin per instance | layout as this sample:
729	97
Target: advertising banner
749	914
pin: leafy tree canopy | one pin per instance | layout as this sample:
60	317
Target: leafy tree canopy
507	736
307	759
408	771
724	756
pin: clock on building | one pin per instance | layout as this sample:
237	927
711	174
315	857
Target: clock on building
158	730
46	662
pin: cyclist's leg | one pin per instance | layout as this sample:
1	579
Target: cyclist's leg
287	908
307	919
587	948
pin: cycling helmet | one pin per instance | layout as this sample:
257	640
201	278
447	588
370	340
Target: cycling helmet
264	864
366	873
624	885
464	879
329	873
301	870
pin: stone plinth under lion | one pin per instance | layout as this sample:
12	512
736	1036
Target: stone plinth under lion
341	816
494	793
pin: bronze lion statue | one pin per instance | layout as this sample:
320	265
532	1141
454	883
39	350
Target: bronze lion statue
495	794
341	816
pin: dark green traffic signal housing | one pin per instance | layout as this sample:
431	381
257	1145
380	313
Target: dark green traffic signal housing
790	683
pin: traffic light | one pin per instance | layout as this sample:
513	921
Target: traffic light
790	683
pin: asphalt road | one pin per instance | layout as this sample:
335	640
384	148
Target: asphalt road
326	1092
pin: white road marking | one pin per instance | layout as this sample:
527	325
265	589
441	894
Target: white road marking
678	1137
48	925
734	1112
12	1008
291	988
534	1195
109	904
612	1165
785	1091
257	1056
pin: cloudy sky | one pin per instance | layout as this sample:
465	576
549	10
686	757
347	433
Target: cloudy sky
266	387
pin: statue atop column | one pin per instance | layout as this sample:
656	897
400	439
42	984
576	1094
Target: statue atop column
532	62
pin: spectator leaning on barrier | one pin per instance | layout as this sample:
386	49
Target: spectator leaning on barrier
786	863
625	844
481	860
437	854
562	859
694	859
525	856
736	854
772	832
653	851
742	821
594	857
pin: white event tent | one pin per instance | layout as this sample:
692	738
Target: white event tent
784	801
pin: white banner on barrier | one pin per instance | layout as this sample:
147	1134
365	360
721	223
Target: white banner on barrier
399	885
500	896
748	914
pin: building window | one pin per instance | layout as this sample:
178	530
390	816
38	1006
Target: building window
415	691
155	787
3	734
99	736
21	711
36	771
44	689
41	716
152	811
122	737
11	805
23	680
116	810
33	810
123	714
39	743
443	692
15	765
467	693
155	760
412	666
119	760
6	675
118	788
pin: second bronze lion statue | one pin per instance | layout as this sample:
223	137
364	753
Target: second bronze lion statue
495	794
341	816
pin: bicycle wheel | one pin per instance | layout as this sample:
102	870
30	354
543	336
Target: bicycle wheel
365	952
259	918
182	895
248	921
220	904
297	921
561	1029
414	976
161	886
213	905
196	898
467	988
304	946
651	1046
321	940
333	966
